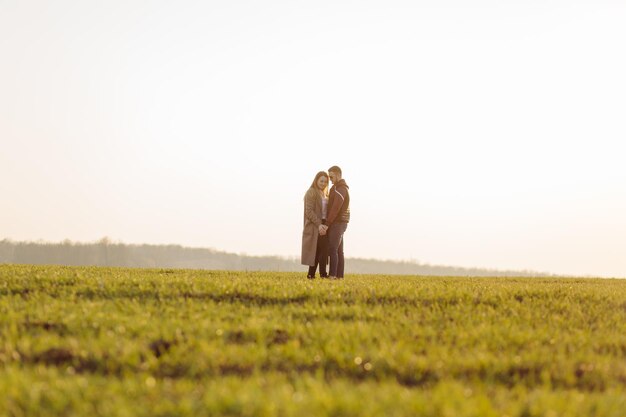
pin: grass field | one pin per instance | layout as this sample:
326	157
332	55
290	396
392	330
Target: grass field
138	342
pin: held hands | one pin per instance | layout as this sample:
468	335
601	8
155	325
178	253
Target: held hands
322	229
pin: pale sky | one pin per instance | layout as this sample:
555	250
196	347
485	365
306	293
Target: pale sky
471	133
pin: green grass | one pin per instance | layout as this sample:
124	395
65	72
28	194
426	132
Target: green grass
139	342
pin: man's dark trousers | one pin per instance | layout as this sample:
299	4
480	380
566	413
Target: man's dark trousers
335	249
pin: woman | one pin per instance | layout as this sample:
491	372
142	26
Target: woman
314	238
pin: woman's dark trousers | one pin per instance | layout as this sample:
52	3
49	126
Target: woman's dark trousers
321	256
335	249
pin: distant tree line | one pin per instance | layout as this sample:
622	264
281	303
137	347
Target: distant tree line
107	253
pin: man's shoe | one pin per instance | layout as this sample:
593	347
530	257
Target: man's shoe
310	276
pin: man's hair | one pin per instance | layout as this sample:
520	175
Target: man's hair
336	169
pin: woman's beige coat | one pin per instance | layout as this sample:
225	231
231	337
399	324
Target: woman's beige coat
312	221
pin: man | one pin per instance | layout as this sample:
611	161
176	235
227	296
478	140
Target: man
337	218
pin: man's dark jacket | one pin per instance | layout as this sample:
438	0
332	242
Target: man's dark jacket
339	203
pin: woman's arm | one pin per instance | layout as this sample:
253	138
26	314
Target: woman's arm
309	207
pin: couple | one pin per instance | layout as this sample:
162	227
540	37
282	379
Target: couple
326	218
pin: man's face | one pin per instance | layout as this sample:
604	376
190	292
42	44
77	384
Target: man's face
333	176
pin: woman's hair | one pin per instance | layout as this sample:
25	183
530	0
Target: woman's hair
317	177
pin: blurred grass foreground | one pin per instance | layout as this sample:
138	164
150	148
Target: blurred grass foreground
90	341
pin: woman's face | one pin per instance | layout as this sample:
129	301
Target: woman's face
322	182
